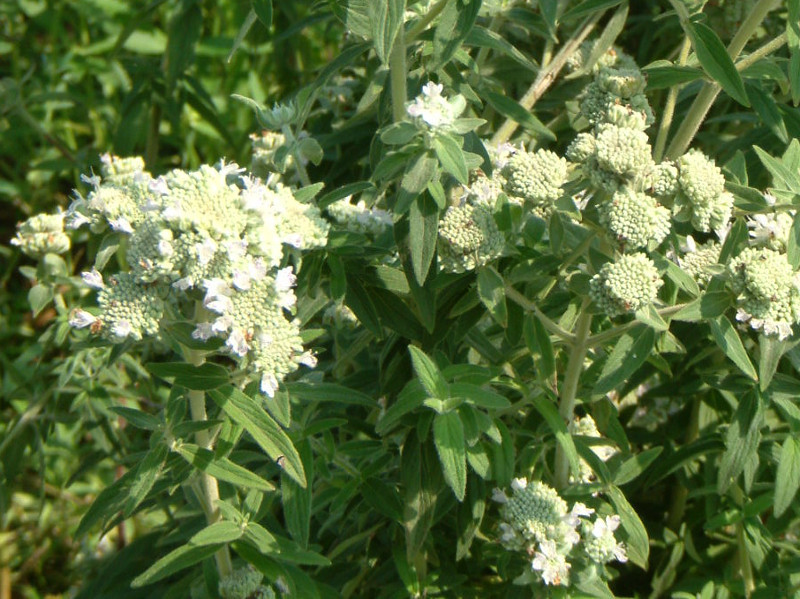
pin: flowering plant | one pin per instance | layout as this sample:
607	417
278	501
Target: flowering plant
431	288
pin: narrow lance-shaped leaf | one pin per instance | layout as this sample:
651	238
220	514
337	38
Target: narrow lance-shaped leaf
222	468
787	479
386	18
717	63
628	355
742	439
147	472
448	436
245	411
428	373
423	232
549	412
729	341
638	543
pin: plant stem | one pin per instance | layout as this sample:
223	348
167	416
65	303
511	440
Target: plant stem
546	77
702	103
552	327
745	567
424	21
291	139
569	390
605	336
765	50
210	488
679	492
669	106
397	73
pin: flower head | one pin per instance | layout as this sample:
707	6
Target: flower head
433	111
626	285
42	234
468	238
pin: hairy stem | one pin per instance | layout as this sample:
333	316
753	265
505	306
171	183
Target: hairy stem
551	327
546	77
397	73
743	557
614	332
569	390
680	493
426	20
669	106
209	487
291	139
702	103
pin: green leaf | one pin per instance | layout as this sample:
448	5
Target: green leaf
539	344
511	109
329	392
416	178
549	412
769	355
793	38
629	353
485	38
342	192
297	501
454	25
451	157
108	247
787	478
263	10
479	396
638	543
423	233
39	296
716	62
175	561
399	133
222	468
492	292
448	436
386	19
310	149
635	466
217	533
246	412
137	418
741	440
183	32
589	7
782	176
662	74
767	110
198	378
421	480
359	302
728	339
708	306
247	24
793	245
147	472
410	398
428	373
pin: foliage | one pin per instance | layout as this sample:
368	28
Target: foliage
550	350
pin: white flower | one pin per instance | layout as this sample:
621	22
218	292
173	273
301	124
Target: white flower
121	224
204	331
577	512
205	251
552	565
183	284
122	328
518	484
605	526
158	186
82	319
499	496
307	359
269	384
93	279
237	342
236	249
436	111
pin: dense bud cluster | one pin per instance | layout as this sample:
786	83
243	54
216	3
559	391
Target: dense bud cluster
626	285
213	229
635	219
767	289
698	260
42	234
701	196
468	238
359	218
244	583
535	177
613	87
536	521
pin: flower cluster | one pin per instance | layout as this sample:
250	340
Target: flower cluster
635	219
699	260
432	111
535	178
626	285
211	229
244	583
537	522
768	291
771	230
618	86
359	218
42	234
701	197
468	238
586	426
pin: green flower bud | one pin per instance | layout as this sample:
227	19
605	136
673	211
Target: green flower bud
767	288
42	234
663	180
698	261
630	283
121	171
582	148
635	219
624	152
130	310
701	197
240	584
468	238
536	177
